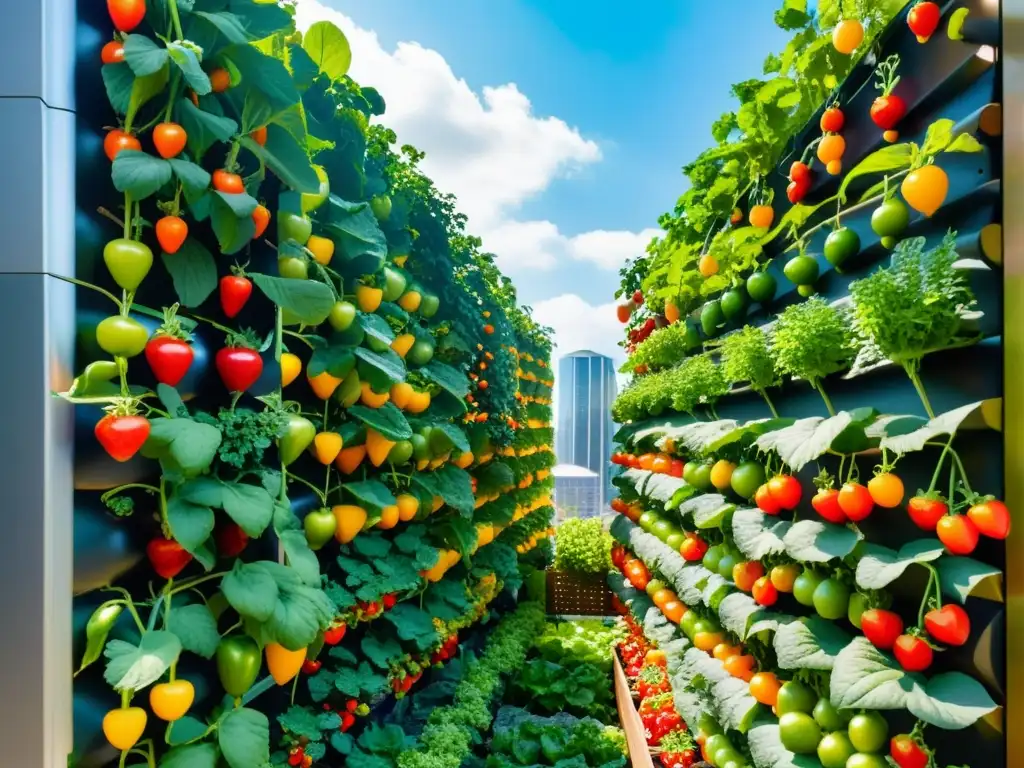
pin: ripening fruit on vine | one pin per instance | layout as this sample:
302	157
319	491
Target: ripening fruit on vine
117	140
847	35
834	167
958	534
832	120
171	232
855	501
991	517
736	217
906	753
259	135
831	147
886	490
260	220
112	52
925	189
124	727
126	14
170	701
220	80
913	653
762	216
227	182
169	139
708	265
949	624
888	108
923	20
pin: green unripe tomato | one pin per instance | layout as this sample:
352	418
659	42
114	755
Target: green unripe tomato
121	336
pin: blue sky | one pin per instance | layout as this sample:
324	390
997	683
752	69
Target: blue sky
640	84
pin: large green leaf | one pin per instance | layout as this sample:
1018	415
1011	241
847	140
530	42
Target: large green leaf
233	231
187	62
813	541
193	272
880	566
143	55
195	181
190	445
388	420
244	738
809	643
328	47
251	590
388	362
266	88
196	629
202	755
288	161
191	524
885	160
118	80
133	667
371	493
203	128
448	378
308	300
139	174
358	235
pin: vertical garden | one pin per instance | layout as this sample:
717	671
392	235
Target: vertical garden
312	424
812	539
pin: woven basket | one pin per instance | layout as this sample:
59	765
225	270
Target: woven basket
571	594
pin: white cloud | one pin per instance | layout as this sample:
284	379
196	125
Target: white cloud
489	149
579	325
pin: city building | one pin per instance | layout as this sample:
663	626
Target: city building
577	492
583	423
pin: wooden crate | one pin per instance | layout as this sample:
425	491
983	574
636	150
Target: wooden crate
570	594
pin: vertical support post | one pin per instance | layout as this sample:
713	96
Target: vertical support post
1012	54
37	318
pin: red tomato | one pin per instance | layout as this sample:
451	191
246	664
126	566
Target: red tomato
676	470
923	20
855	501
832	120
958	534
948	624
116	140
991	518
887	111
170	359
913	653
113	52
239	367
744	575
167	556
765	592
638	297
122	436
126	14
694	548
882	628
926	511
799	171
389	602
334	635
235	291
785	490
227	182
231	540
906	753
826	504
797	190
766	502
347	721
310	667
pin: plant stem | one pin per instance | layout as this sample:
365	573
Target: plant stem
911	367
108	215
175	19
300	337
309	485
927	595
184	586
821	391
90	286
114	491
130	604
261	687
127	216
768	401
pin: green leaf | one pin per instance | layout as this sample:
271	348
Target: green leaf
903	435
758	535
336	359
805	440
299	721
193	272
376	327
413	624
372	546
204	129
809	643
813	541
196	629
448	378
962	577
188	63
191	445
283	155
387	362
266	88
233	231
194	179
191	525
456	435
951	700
251	590
880	566
457	533
102	620
300	556
938	137
139	174
227	24
328	47
300	613
202	755
118	80
145	89
388	420
452	484
895	157
965	143
371	493
865	678
736	611
143	55
133	667
355	230
380	651
244	738
184	730
248	505
342	742
309	301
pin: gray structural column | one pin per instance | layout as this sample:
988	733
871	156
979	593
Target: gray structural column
37	320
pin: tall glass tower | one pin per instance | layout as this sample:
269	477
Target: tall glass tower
583	430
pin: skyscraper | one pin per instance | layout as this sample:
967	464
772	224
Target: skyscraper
583	430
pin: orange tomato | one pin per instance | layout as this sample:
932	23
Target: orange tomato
925	189
708	265
831	147
741	667
171	232
886	490
656	656
662	597
661	465
723	651
706	641
673	610
764	686
220	80
762	216
745	574
672	313
834	167
847	35
647	461
230	183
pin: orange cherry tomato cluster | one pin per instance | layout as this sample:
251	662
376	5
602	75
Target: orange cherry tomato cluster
832	145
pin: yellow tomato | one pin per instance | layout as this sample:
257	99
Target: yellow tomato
291	367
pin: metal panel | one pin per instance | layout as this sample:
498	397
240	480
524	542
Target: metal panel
1013	403
37	49
36	444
